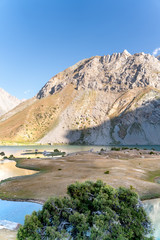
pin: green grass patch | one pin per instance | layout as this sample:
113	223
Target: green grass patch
152	175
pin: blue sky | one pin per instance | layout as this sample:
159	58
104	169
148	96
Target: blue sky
39	38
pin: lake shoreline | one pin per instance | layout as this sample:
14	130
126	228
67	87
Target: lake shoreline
127	168
43	166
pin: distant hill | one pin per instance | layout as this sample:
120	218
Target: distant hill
100	100
158	57
7	102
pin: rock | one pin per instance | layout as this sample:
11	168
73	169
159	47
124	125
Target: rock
158	57
7	102
116	73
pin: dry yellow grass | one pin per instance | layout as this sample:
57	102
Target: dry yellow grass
35	120
69	109
125	169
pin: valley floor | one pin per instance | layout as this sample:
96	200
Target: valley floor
130	168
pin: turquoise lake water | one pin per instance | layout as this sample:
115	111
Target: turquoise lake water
15	211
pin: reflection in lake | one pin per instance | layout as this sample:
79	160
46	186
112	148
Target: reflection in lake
17	150
8	169
153	209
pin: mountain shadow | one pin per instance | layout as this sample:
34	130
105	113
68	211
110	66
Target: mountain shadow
134	125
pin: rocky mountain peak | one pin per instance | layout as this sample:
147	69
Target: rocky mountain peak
125	52
110	73
7	102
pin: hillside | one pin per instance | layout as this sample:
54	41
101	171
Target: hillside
100	100
158	57
7	102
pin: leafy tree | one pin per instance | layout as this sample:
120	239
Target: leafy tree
92	211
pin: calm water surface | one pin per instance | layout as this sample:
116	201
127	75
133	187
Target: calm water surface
17	150
16	211
8	169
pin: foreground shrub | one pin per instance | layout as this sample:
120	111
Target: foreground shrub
92	211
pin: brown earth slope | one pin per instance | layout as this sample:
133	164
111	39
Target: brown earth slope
101	100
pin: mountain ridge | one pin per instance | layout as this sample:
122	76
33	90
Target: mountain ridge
101	100
116	73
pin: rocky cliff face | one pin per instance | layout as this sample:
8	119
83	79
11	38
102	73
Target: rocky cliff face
158	57
7	102
115	73
101	100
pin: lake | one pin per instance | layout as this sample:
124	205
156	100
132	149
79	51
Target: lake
8	169
15	212
17	150
12	212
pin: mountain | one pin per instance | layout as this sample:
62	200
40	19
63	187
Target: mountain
115	73
7	102
158	57
100	100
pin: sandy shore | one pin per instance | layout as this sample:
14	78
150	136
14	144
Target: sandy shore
6	234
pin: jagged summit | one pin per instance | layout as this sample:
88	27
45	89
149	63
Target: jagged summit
125	52
110	73
7	102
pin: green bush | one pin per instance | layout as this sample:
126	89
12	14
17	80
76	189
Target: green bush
56	150
136	148
106	172
102	150
92	211
125	148
151	153
115	149
11	157
2	154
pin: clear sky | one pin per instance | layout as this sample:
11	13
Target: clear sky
39	38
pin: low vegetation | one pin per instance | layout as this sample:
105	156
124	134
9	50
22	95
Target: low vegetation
2	154
92	211
151	153
115	149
